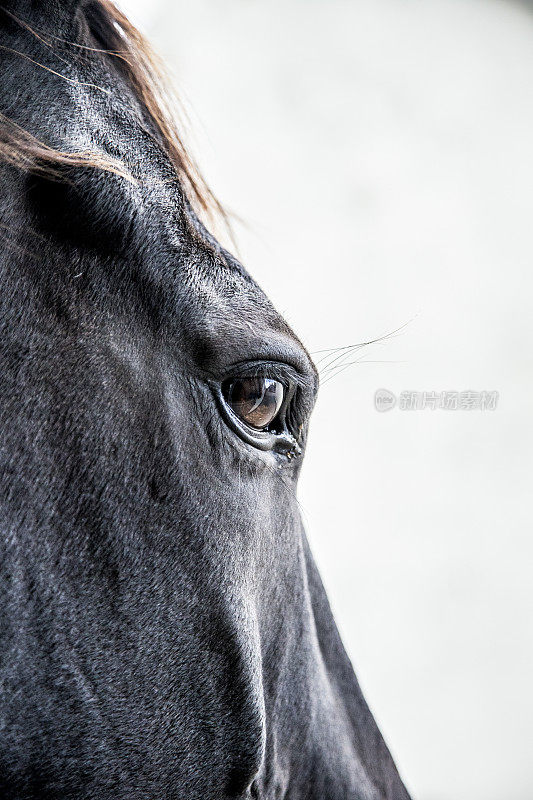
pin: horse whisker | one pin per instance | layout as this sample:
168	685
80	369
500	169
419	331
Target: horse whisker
359	361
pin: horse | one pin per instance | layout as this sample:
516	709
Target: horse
164	630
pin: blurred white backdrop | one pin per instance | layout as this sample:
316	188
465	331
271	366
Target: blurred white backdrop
381	152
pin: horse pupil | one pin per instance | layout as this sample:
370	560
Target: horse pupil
255	400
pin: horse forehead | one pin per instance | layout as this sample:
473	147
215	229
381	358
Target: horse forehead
70	101
225	304
217	293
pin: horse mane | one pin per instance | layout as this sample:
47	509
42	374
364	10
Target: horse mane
118	38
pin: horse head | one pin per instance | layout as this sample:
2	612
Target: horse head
164	629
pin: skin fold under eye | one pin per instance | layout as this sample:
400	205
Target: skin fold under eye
255	400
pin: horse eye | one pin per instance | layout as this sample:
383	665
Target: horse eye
256	401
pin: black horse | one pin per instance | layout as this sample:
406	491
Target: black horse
164	631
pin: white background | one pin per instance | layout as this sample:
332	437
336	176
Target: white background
381	154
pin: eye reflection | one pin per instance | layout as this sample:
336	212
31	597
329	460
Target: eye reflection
254	400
